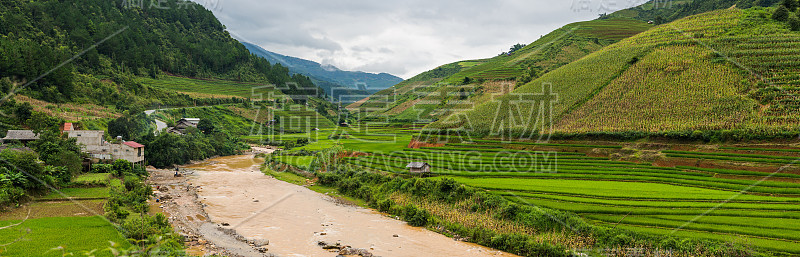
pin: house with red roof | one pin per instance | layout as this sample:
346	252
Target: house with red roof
131	151
94	143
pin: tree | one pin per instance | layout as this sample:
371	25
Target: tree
206	126
794	23
516	47
23	111
40	122
130	127
764	3
54	148
781	14
19	166
659	20
789	4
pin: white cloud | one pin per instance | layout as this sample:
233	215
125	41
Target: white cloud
403	38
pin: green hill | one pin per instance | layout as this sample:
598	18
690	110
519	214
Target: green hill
462	85
122	57
667	11
723	70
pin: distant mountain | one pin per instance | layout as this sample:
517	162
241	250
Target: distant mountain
329	77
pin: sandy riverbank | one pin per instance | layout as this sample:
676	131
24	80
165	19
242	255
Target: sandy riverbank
293	219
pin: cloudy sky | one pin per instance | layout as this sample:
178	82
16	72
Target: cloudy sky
403	38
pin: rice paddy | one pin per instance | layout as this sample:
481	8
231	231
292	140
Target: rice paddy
751	207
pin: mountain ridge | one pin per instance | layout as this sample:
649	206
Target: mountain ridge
329	77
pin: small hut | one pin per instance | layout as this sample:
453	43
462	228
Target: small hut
419	167
23	136
184	123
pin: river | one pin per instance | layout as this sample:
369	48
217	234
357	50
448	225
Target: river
294	219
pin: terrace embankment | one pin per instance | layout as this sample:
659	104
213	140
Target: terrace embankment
291	219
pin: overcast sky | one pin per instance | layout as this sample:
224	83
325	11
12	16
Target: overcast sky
403	38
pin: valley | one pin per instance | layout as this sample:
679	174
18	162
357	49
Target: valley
652	130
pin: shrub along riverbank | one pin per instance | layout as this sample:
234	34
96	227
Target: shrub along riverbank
474	215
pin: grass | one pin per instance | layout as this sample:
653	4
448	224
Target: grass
45	209
302	162
287	177
83	193
93	179
75	235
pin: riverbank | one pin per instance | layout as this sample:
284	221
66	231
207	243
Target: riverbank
176	197
292	219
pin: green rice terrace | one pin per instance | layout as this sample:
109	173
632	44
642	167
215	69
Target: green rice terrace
722	70
463	85
38	228
747	195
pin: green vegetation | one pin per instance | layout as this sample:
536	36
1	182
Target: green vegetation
664	12
167	149
461	86
700	90
613	203
92	179
180	38
213	87
59	235
22	174
127	207
78	192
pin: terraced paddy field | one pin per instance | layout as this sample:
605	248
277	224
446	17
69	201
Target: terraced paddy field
37	228
212	87
748	195
365	138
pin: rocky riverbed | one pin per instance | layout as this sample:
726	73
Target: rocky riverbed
227	206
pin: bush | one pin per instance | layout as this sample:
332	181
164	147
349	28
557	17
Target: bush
794	23
415	217
139	227
781	14
122	167
102	168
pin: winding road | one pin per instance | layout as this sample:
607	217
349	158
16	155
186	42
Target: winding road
160	125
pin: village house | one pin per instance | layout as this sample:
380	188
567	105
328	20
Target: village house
419	167
22	136
182	125
90	141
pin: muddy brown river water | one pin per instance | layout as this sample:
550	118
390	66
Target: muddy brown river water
294	218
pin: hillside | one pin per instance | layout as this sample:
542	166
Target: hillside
145	57
723	70
462	85
333	80
666	11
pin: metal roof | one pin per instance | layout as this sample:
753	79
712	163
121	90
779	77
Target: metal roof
192	120
21	135
417	165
